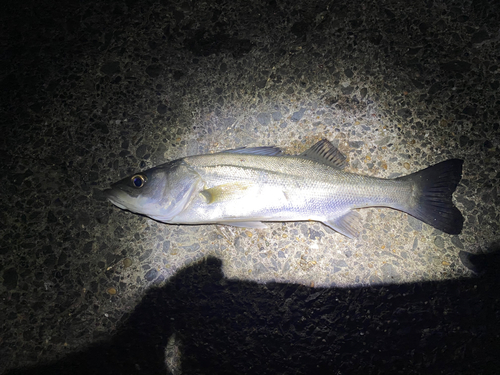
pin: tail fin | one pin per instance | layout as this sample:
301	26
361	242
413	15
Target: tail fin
434	187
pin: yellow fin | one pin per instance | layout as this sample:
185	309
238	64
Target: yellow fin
229	191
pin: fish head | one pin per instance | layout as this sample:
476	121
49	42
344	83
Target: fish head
160	193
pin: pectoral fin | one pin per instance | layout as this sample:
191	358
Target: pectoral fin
224	192
348	224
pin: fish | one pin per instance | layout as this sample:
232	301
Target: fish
248	186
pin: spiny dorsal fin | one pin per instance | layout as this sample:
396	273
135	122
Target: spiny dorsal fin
265	150
326	153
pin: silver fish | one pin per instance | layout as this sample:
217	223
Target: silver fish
246	186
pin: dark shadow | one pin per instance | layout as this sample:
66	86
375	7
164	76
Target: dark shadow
235	327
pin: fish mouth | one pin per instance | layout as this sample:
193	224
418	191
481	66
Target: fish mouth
117	197
138	205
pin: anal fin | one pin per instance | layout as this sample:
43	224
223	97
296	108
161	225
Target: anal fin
348	224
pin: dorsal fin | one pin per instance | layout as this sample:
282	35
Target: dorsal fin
265	150
326	153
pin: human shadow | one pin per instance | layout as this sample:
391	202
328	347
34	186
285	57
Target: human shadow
238	327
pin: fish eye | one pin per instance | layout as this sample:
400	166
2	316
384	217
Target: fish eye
138	180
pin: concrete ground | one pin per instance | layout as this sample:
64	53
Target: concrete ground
94	91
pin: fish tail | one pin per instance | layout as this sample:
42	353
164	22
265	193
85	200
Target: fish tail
432	196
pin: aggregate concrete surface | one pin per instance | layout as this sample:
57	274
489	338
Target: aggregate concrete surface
94	91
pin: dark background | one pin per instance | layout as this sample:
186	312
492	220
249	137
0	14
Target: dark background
91	91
